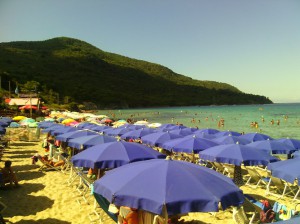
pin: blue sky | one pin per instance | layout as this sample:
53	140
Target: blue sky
252	45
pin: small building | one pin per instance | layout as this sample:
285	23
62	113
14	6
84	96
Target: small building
23	101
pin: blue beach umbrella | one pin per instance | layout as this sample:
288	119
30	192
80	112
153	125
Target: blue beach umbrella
158	138
225	140
4	124
273	147
52	128
90	140
209	131
288	170
2	130
236	154
137	134
46	124
227	133
188	144
98	128
295	143
253	137
183	131
114	154
296	154
177	186
116	131
82	125
74	134
63	130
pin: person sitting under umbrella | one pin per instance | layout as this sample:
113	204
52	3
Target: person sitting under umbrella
128	215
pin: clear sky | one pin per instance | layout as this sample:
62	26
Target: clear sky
253	45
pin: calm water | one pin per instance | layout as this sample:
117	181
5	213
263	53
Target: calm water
237	118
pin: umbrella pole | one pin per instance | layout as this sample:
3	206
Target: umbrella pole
237	176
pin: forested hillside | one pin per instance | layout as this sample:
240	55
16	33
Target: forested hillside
67	69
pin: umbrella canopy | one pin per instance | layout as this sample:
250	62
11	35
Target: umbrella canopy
253	137
183	131
295	143
236	154
114	154
227	133
158	138
116	131
27	107
274	147
18	118
4	124
179	186
136	134
296	154
74	134
209	131
288	170
229	139
46	124
2	130
52	128
62	130
91	140
188	144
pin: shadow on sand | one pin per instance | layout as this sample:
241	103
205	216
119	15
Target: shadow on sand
8	152
29	205
24	144
29	175
43	221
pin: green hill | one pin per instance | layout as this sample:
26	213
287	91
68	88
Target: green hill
76	70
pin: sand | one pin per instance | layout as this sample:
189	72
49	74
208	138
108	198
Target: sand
45	197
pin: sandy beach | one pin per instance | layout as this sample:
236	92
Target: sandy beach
45	197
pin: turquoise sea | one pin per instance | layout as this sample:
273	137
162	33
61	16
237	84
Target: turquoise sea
286	117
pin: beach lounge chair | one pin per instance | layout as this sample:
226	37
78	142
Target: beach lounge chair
239	215
101	205
255	207
281	187
84	188
255	178
218	167
47	166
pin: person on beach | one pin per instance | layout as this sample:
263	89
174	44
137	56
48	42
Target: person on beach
9	175
128	215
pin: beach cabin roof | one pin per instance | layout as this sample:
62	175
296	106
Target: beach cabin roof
22	101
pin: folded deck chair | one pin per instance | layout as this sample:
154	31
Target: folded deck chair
218	167
255	178
281	187
104	205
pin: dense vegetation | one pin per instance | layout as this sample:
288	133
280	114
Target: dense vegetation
69	70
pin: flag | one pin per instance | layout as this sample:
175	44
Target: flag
17	90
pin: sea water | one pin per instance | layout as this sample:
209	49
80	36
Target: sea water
275	120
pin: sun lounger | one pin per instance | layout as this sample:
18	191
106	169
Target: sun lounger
239	215
255	178
46	166
281	187
84	187
102	205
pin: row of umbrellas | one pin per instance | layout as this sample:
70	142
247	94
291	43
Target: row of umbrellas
149	185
